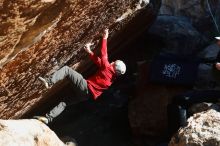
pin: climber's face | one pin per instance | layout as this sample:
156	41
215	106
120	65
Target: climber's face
217	65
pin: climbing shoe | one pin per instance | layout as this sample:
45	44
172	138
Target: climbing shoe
42	119
46	81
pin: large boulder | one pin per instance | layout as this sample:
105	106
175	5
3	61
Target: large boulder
178	35
39	37
198	11
202	129
27	133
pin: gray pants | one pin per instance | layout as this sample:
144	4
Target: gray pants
78	85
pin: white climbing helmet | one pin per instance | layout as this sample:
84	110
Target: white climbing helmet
120	67
217	38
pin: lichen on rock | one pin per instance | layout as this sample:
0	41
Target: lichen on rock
202	129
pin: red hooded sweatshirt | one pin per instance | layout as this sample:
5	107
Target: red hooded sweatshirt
105	75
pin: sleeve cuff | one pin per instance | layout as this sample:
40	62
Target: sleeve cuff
91	53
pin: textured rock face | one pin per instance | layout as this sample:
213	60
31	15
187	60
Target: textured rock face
197	11
27	133
202	129
178	34
39	37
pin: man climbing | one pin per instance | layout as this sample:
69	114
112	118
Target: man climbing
85	88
